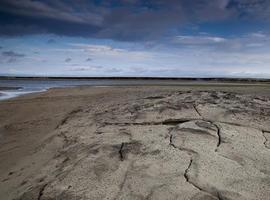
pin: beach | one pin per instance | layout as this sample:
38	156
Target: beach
199	142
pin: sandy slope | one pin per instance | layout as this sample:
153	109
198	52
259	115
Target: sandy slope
137	143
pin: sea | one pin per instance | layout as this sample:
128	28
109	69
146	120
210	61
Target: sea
10	88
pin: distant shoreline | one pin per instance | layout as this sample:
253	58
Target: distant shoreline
11	87
254	80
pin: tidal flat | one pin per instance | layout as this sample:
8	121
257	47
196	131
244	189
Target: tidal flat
188	142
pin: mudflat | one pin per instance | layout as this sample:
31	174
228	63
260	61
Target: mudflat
197	142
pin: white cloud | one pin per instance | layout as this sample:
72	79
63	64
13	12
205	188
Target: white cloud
197	40
258	35
202	55
107	52
85	68
250	42
254	45
97	48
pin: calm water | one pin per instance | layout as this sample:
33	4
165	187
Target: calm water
31	86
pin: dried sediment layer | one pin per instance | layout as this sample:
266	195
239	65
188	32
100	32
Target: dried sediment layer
183	145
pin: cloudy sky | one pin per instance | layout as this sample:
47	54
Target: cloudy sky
176	38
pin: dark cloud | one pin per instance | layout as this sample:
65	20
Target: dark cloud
120	19
51	41
68	59
250	8
75	65
12	54
11	60
1	47
88	59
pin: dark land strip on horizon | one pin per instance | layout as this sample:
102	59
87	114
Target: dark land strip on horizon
213	79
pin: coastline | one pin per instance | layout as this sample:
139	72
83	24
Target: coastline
48	137
8	92
206	79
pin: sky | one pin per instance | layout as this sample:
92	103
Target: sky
146	38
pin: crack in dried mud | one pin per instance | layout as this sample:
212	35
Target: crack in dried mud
171	142
192	153
266	140
41	191
121	152
219	136
187	177
174	122
189	151
68	117
169	122
196	109
186	172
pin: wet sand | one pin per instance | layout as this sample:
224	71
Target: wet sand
155	142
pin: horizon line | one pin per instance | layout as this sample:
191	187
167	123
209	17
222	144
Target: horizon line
138	78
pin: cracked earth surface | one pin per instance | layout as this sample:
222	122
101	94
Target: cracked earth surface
193	145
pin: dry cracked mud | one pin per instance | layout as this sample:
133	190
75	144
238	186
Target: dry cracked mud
192	145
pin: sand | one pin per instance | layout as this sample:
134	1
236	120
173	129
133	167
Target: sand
174	142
